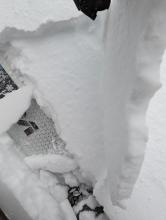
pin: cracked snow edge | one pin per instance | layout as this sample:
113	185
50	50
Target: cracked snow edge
44	28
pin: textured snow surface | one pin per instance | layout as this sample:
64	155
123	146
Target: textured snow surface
98	78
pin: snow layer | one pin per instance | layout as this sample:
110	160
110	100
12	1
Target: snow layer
97	76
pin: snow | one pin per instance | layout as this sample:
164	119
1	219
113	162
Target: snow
148	199
13	106
68	211
50	181
70	179
25	186
90	201
29	15
65	86
51	162
89	216
98	78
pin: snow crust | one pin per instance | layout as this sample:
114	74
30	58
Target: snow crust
98	78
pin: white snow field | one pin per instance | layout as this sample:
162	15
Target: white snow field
97	77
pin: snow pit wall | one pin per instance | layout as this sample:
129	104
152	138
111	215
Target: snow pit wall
149	196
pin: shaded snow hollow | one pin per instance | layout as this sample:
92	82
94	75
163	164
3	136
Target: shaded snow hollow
97	77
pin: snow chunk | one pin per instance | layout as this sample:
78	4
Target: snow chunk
11	109
90	201
53	163
70	179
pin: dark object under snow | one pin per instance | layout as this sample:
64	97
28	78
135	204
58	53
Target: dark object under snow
91	7
79	194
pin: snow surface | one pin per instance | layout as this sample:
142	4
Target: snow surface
98	78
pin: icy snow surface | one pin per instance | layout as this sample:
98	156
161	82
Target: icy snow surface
98	78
